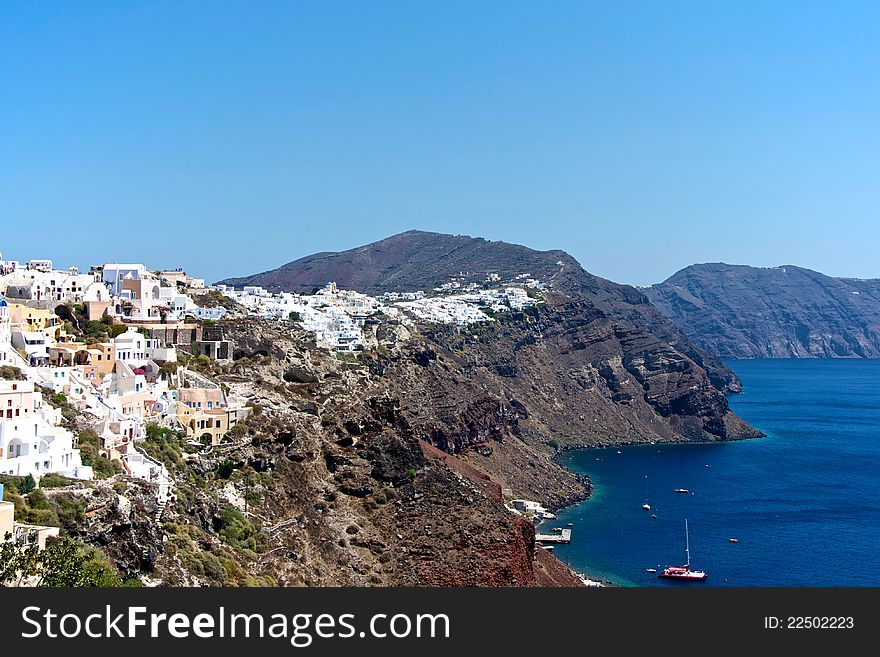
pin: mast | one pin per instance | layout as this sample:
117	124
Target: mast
687	544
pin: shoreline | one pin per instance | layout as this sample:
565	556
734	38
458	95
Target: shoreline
589	573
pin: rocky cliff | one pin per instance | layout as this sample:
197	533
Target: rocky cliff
418	260
737	311
328	483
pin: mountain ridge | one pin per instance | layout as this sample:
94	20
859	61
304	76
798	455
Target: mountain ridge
740	311
630	354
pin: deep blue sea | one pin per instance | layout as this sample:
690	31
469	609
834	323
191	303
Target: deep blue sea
804	502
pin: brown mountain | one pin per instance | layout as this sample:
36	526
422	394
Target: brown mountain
598	351
737	311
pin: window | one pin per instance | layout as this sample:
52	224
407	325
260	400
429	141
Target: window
217	424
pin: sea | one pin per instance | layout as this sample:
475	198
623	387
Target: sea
803	503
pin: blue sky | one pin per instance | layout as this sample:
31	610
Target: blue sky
231	137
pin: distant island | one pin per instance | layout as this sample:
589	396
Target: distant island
737	311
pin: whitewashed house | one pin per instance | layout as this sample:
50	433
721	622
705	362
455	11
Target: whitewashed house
30	440
5	334
114	275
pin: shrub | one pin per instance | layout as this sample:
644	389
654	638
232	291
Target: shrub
70	511
225	469
64	562
253	498
237	532
164	444
117	329
57	400
11	373
27	485
169	367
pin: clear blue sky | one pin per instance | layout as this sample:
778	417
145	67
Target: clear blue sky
231	137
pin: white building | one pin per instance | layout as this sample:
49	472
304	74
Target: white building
114	275
131	347
48	285
5	333
135	349
30	440
34	344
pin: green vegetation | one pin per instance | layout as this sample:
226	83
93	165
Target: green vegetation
237	532
237	432
164	445
11	373
64	562
28	485
95	331
294	316
225	469
33	508
89	444
253	498
218	566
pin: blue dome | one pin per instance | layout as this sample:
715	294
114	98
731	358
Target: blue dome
3	303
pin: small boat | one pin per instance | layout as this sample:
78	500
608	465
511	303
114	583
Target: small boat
557	529
569	524
651	570
685	491
684	572
708	466
646	506
733	540
619	452
653	516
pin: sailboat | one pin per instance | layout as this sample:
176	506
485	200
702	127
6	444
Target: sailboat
684	572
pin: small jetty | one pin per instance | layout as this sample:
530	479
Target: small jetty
563	536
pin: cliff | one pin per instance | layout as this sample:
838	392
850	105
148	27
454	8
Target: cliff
328	483
418	260
738	311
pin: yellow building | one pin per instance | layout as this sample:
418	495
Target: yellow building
208	426
35	320
97	359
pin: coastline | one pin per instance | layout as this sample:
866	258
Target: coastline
590	572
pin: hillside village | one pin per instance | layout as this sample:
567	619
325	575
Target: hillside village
111	355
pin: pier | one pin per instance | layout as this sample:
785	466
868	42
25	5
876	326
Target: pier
563	536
